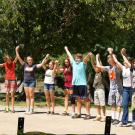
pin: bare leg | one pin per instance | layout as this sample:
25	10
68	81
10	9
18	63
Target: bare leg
52	99
47	95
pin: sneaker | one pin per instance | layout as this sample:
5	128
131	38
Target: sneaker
52	113
6	110
115	122
87	117
13	111
49	112
103	119
64	113
112	120
77	116
27	111
73	115
122	124
31	111
98	118
133	124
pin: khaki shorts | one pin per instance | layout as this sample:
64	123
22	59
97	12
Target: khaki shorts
99	97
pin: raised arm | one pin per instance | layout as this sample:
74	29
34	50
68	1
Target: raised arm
1	65
86	58
98	62
110	51
92	61
55	67
18	56
68	53
43	62
15	60
117	62
124	55
60	69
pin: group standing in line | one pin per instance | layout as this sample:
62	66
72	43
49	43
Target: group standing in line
121	92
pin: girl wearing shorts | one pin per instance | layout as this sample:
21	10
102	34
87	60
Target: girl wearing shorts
49	85
67	72
29	79
99	93
10	80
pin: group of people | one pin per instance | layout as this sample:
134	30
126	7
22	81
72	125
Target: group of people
121	76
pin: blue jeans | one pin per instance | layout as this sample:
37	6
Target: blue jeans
127	95
133	115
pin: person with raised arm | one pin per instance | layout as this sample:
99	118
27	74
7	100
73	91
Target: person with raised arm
49	85
29	80
67	73
79	82
116	88
127	85
10	80
99	93
133	93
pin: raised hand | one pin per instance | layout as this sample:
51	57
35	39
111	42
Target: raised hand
123	51
110	50
66	48
47	55
21	46
90	54
17	48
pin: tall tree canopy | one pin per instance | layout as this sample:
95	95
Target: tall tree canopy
46	26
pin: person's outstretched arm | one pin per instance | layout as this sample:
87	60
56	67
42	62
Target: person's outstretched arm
15	60
110	50
98	62
117	62
69	54
92	61
124	55
86	58
55	69
1	65
18	56
43	62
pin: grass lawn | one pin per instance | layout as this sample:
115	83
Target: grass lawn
40	102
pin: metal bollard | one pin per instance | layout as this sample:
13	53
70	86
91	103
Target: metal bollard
108	125
20	126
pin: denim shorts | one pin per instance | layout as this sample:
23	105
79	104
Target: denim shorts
49	87
30	84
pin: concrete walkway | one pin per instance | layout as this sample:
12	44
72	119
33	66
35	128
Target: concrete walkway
57	124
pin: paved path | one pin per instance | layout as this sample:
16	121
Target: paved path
57	124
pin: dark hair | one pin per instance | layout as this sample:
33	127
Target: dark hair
70	67
47	63
68	62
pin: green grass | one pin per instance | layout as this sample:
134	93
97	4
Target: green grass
59	101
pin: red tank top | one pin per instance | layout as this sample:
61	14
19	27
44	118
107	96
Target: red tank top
67	77
10	71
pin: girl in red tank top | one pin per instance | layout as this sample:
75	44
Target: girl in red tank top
10	80
67	72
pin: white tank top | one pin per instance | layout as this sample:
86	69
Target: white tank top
49	77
